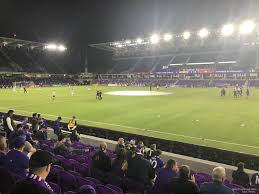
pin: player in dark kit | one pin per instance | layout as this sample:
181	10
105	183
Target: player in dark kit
97	95
100	95
24	90
223	92
247	93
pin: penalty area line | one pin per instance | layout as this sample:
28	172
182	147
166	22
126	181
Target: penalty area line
147	130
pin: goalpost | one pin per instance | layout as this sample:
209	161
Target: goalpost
23	84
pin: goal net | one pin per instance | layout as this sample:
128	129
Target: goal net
23	84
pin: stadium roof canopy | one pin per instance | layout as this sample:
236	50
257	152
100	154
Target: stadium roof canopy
31	45
229	37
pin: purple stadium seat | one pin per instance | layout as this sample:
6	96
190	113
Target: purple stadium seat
82	181
60	159
115	180
69	164
95	181
53	175
56	188
67	181
76	174
69	192
133	186
83	169
105	190
115	188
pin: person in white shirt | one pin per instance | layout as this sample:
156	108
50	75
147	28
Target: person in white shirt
8	122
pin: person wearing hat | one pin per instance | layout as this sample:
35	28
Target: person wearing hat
39	168
86	189
16	161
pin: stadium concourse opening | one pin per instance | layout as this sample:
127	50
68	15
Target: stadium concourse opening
138	93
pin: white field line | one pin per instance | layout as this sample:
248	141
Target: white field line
147	130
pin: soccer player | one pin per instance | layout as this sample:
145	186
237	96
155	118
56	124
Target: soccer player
157	87
235	92
150	88
223	92
72	92
100	95
53	95
24	90
247	93
97	94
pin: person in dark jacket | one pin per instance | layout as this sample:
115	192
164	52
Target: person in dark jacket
165	176
140	169
240	177
101	160
41	134
57	126
182	184
120	145
217	186
120	164
34	123
61	147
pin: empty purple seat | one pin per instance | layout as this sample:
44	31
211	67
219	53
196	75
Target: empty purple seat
76	174
53	174
56	188
83	169
83	181
67	181
69	164
95	181
70	192
115	188
105	190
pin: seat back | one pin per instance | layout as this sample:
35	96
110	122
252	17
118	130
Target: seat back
67	181
105	190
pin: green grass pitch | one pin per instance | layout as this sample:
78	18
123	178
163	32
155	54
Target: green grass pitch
192	115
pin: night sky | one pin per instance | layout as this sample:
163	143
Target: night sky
77	23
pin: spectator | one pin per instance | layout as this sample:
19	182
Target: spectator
16	161
120	145
18	131
57	126
120	164
156	161
182	184
9	123
34	123
165	176
29	188
239	176
130	150
71	126
86	189
217	186
24	121
61	147
255	179
41	134
3	149
39	168
101	160
150	153
28	149
140	169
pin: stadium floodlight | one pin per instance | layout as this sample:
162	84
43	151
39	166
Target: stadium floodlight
62	48
168	37
246	27
139	40
227	30
127	41
186	35
203	33
51	46
154	39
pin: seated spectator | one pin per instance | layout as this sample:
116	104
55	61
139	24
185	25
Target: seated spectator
240	177
18	131
39	168
57	126
61	146
24	121
28	149
140	169
165	176
120	164
86	189
3	149
16	161
150	153
101	160
120	145
182	184
217	186
29	188
156	161
41	134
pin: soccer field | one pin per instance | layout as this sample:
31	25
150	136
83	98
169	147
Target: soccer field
192	115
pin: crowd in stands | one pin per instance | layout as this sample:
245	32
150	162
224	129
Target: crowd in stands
33	162
8	81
